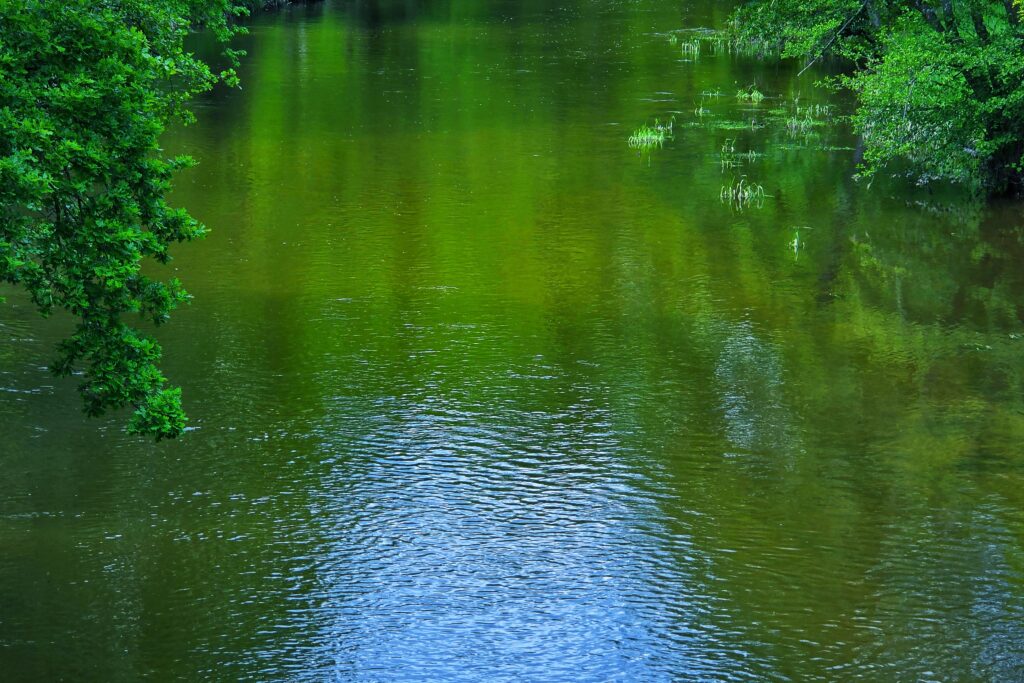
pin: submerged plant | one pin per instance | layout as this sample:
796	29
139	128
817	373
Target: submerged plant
726	124
724	42
825	111
645	138
730	158
798	125
740	194
751	94
691	48
797	243
801	120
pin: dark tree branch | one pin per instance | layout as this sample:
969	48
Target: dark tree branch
873	17
1012	13
979	26
949	15
928	12
831	40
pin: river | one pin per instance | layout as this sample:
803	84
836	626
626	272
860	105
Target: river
480	392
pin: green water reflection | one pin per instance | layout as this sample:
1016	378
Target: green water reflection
478	394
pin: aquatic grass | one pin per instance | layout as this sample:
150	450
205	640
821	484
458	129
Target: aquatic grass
798	125
797	243
695	41
751	94
806	117
727	124
690	48
721	42
825	111
754	49
730	158
646	138
803	120
740	194
714	123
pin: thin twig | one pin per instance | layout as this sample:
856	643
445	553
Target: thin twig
833	39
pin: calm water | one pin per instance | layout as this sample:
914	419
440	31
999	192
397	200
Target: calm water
479	394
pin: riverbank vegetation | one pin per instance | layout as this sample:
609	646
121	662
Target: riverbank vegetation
939	85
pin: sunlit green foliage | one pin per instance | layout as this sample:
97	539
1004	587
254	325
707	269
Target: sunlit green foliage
940	84
86	89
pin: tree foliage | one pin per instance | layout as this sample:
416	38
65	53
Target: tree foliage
86	89
940	83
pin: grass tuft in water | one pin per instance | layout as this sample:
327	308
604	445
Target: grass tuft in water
797	243
803	120
645	138
727	124
751	94
802	125
690	48
742	193
731	159
723	42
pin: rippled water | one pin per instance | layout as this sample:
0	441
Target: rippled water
480	395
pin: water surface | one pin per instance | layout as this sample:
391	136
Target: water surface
480	394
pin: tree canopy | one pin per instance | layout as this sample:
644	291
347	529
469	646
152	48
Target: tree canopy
86	89
940	83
